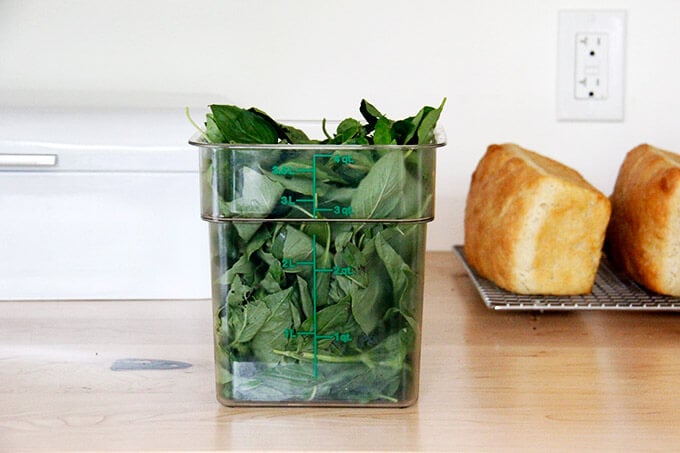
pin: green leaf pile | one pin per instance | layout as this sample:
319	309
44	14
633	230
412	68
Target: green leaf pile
369	315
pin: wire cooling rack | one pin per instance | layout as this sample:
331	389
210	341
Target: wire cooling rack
611	291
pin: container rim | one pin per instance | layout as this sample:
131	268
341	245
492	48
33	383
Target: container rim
198	140
407	220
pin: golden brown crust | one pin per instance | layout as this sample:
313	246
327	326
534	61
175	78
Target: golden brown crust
532	224
642	237
496	188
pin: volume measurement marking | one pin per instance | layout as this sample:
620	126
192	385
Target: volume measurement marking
289	200
343	337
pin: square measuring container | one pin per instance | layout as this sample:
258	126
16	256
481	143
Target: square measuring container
317	268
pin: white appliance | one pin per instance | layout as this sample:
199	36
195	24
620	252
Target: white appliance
100	205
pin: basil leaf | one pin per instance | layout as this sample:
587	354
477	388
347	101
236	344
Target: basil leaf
255	314
409	205
396	267
212	132
292	135
242	267
404	130
380	191
292	244
246	230
370	303
287	134
242	126
426	127
412	137
286	381
323	279
370	113
270	336
257	240
258	195
237	292
349	131
331	318
383	132
273	279
305	299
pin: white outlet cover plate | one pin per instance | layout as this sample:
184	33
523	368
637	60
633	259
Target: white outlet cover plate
571	23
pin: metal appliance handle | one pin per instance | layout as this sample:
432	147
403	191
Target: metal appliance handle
28	160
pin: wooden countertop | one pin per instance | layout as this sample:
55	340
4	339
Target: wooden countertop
489	381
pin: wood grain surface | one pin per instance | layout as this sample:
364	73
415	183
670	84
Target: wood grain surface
490	381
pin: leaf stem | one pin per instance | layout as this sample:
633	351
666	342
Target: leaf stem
303	210
389	398
359	358
323	127
193	123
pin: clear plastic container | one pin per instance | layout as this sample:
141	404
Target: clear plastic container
318	265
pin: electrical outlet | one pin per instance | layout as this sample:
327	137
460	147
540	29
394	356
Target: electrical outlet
591	75
590	65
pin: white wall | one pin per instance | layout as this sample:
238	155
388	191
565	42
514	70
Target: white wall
495	60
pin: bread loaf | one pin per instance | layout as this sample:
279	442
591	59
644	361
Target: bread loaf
643	237
532	224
